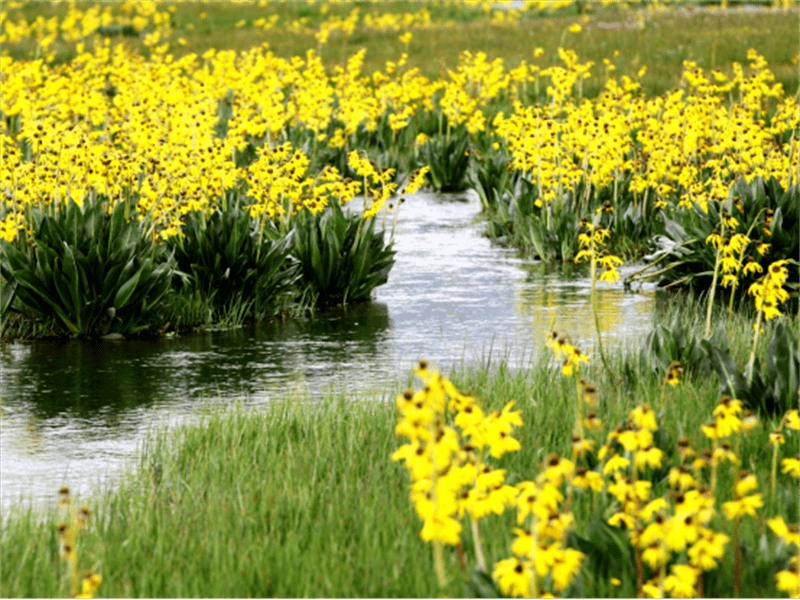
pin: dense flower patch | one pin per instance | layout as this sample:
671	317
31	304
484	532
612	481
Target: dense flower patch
169	137
677	521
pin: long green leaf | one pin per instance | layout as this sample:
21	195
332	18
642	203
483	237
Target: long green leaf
125	291
70	272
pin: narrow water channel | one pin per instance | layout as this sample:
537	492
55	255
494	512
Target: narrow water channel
76	412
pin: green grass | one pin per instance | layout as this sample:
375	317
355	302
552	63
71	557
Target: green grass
299	498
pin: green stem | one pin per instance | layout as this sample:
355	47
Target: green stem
534	547
438	563
713	287
594	311
751	361
774	472
438	557
737	561
476	535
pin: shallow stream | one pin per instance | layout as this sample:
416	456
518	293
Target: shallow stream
76	412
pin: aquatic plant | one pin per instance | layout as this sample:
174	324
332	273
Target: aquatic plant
94	272
448	157
229	257
729	242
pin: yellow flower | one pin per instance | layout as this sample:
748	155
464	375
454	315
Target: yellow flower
654	506
89	585
749	421
743	506
644	417
674	373
682	529
615	463
655	554
647	457
521	546
746	484
588	479
791	466
788	534
513	576
651	590
789	582
624	519
653	533
469	416
792	419
681	584
565	566
541	500
724	453
575	28
708	549
581	446
681	478
556	469
751	267
592	422
776	438
714	239
441	527
610	275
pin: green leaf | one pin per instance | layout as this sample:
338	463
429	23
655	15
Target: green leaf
783	368
481	585
70	271
7	293
125	291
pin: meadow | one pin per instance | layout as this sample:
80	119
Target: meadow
168	166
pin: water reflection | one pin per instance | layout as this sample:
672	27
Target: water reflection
76	412
558	297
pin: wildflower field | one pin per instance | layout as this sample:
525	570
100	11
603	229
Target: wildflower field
171	166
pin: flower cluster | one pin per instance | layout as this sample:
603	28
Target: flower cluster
592	243
451	440
680	524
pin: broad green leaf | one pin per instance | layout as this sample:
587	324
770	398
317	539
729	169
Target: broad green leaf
7	293
125	291
72	280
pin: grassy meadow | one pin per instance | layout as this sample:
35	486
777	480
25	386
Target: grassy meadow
172	165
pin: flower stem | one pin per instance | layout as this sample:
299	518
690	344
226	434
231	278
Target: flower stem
438	563
751	361
534	547
712	290
476	535
773	474
737	561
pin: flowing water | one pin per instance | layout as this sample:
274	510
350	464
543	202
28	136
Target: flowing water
76	412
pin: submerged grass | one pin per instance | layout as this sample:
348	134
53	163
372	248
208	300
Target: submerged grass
299	498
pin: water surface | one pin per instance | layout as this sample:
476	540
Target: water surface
76	412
